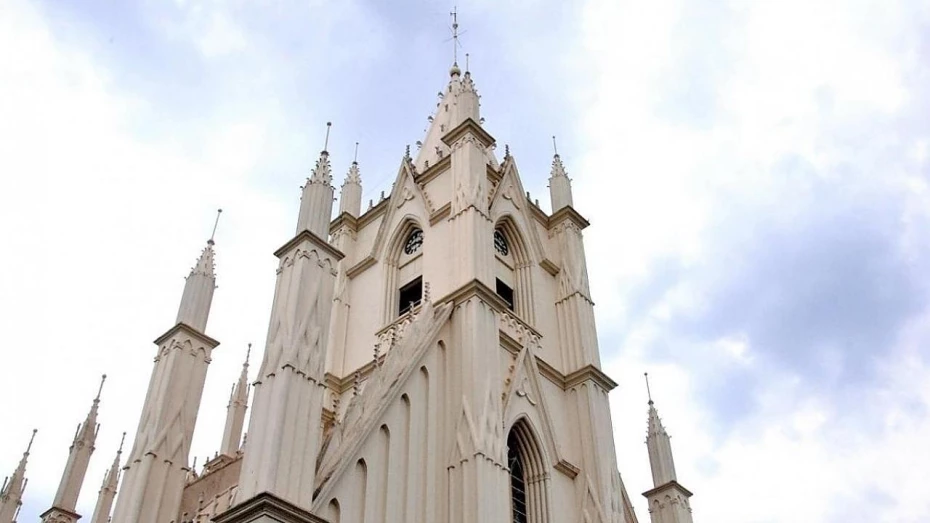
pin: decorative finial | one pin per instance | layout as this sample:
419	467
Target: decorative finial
555	149
466	62
215	224
648	392
506	150
355	158
248	352
326	141
29	447
121	441
377	354
102	379
407	152
455	35
426	296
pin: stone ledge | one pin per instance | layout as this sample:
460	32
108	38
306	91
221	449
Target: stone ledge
314	239
190	331
267	508
674	485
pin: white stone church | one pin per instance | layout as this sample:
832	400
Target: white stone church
433	359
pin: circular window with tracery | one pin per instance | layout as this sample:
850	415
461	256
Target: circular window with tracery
500	243
414	242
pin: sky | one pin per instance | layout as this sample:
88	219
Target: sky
757	175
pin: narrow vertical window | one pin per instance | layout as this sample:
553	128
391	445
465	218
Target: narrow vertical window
517	480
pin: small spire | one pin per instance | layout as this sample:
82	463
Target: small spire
102	379
326	141
215	224
121	441
31	439
648	392
555	148
355	157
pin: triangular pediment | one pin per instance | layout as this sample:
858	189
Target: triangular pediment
509	199
407	199
525	397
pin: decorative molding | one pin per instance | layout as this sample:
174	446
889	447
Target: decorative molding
475	288
567	213
434	170
549	266
370	215
589	373
266	507
360	267
306	235
567	468
469	126
343	220
671	485
190	331
440	214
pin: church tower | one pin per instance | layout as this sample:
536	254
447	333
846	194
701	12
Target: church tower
156	469
668	500
435	358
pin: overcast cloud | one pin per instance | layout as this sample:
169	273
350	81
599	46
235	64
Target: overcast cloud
756	174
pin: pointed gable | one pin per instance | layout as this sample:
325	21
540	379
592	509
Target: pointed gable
509	198
407	198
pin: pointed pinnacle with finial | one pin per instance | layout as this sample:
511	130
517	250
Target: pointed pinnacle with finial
648	392
326	141
215	224
102	379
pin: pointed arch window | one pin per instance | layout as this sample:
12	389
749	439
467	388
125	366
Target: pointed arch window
529	476
403	265
517	481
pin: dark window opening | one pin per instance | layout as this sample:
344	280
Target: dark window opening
505	292
410	295
517	480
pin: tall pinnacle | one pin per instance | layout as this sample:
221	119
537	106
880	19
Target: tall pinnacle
11	494
316	200
350	197
65	503
108	489
560	186
198	289
235	410
660	447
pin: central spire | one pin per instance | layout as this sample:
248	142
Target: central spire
457	103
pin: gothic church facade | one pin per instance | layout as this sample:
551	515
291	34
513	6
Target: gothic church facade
432	359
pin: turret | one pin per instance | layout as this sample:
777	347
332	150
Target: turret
235	410
63	509
108	490
560	186
350	197
316	200
11	494
157	465
668	501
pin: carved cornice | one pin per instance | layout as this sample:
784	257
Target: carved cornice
190	331
568	213
434	170
360	267
343	220
466	127
440	213
671	485
306	235
589	373
477	289
267	507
